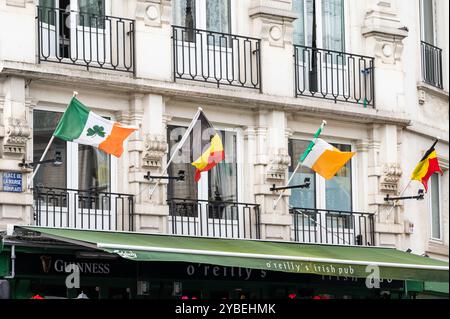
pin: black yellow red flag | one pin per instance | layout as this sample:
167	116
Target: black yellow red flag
427	166
207	147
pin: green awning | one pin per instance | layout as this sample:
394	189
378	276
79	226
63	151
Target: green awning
436	287
331	260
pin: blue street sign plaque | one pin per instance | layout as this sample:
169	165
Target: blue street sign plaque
12	182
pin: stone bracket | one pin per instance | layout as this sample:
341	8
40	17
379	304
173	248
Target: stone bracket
278	164
17	133
390	177
154	13
155	147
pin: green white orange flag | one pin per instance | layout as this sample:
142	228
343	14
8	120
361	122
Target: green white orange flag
81	125
325	159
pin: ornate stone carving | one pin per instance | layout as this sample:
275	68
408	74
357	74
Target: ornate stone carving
274	24
383	26
390	177
17	133
278	164
155	148
422	95
153	12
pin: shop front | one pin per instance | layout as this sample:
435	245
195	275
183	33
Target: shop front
62	263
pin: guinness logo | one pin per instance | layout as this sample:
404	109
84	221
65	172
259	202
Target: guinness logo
46	262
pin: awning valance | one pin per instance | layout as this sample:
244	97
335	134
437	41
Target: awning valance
331	260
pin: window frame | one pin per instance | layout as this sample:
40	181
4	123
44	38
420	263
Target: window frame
422	22
203	187
320	192
430	206
319	24
72	165
200	16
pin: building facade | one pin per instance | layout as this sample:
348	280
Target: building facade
266	73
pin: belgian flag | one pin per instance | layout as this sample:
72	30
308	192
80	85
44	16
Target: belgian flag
207	148
427	166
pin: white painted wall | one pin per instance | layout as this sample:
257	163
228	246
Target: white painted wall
383	136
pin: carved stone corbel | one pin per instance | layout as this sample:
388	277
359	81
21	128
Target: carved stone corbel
154	13
17	133
383	26
155	147
273	23
278	164
390	177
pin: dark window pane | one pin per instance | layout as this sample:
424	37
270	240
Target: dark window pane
48	175
435	207
92	13
94	169
301	197
222	179
338	190
186	189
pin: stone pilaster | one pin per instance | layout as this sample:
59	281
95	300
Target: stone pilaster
150	156
153	25
272	22
271	168
19	45
15	132
384	34
384	173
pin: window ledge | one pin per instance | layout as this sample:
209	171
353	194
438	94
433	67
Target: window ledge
437	247
429	89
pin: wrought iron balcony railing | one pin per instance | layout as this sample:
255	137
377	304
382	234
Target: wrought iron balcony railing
431	64
83	209
215	57
214	218
334	75
85	39
332	227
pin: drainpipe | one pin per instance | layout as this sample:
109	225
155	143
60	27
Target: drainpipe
13	263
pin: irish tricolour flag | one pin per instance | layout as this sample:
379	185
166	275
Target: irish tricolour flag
325	159
81	125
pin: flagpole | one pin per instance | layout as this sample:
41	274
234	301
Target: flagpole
75	93
180	145
407	185
42	158
395	202
316	136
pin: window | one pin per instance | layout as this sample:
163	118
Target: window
212	15
218	184
328	18
89	15
83	167
92	13
337	191
45	123
301	197
435	207
427	21
323	213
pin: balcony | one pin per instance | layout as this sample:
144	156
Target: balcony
332	227
72	208
334	75
93	210
218	58
86	40
431	65
214	219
